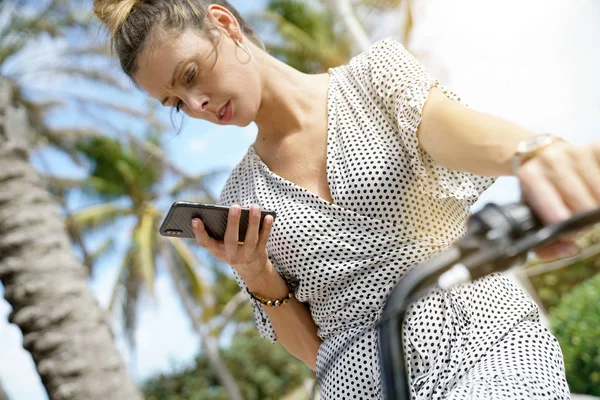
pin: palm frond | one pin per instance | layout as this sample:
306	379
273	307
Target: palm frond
59	186
291	32
117	292
129	306
102	250
116	171
167	253
107	105
187	263
382	5
125	294
94	49
99	77
307	36
228	312
97	216
8	50
197	184
144	256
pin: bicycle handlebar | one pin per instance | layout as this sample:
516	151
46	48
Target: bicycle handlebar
497	238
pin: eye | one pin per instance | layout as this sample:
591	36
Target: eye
190	75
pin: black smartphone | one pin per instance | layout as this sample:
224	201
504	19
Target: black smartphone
178	221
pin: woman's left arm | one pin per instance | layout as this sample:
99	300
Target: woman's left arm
559	181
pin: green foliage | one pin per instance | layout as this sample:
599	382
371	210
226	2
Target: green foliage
307	36
576	324
261	369
552	286
116	170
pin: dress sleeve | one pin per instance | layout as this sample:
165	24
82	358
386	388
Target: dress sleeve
230	195
401	87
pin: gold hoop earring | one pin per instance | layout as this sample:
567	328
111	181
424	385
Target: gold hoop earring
244	47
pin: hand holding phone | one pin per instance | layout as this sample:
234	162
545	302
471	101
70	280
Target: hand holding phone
221	230
178	221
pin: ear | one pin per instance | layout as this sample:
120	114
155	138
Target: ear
224	21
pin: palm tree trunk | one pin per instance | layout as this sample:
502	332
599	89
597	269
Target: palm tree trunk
3	395
62	324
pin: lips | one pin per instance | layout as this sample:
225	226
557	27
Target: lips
225	113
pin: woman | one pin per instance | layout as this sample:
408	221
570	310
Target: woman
371	167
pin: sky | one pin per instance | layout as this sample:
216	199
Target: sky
533	62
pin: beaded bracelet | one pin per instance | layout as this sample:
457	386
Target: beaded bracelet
277	302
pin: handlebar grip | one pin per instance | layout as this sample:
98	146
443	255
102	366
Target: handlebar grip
515	219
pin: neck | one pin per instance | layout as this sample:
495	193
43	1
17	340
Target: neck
289	99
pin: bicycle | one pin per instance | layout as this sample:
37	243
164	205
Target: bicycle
497	239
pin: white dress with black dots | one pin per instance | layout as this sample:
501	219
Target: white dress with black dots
393	207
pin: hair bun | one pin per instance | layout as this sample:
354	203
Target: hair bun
113	13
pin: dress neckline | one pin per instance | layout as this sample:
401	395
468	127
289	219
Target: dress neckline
330	149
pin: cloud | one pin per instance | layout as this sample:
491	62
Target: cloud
197	144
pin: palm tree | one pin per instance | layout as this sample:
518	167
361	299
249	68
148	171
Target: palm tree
3	395
26	30
125	182
347	10
21	29
63	326
344	10
307	37
47	53
406	13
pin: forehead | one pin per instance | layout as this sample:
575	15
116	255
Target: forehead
158	60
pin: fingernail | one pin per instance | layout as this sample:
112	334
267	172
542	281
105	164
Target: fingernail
568	250
235	210
195	223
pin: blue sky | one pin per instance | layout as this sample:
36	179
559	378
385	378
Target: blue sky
533	62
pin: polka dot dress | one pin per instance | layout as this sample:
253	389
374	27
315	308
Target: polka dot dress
393	207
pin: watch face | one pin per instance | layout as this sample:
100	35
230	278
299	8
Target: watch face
534	143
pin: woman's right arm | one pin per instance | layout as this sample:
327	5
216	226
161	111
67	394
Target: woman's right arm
292	322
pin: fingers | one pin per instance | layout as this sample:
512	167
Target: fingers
565	167
202	237
251	238
230	250
265	232
561	181
541	195
589	170
231	238
559	249
556	186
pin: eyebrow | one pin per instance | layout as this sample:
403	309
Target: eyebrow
175	73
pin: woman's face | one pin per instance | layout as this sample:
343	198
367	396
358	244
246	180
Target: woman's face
219	85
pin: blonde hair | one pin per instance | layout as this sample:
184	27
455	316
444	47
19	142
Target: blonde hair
133	23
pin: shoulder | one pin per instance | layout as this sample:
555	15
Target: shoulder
385	66
382	49
380	55
231	191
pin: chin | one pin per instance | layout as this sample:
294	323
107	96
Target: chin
244	124
243	120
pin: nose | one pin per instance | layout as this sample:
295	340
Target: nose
198	105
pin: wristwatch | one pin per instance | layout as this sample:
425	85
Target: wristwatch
530	147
